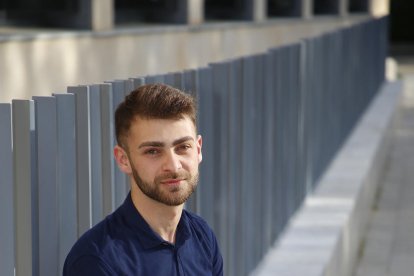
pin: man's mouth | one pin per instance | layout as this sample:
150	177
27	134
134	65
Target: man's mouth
172	181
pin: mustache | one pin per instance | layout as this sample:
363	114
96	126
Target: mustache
171	175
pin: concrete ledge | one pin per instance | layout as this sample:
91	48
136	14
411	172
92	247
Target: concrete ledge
323	238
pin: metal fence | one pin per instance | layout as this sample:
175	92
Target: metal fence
271	123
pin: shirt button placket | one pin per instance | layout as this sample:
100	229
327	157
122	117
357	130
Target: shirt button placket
179	263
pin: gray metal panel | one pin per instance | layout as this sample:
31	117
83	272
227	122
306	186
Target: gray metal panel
259	134
83	155
278	140
310	112
289	138
66	174
235	219
252	137
178	80
46	138
23	124
129	85
189	82
282	130
96	153
320	106
301	150
206	129
108	161
35	193
6	192
137	82
119	91
174	79
269	177
221	161
304	119
248	158
154	79
294	98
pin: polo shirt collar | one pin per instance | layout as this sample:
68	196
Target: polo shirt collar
146	236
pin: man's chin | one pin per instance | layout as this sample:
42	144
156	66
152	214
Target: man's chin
175	197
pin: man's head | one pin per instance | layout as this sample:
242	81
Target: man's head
153	101
157	143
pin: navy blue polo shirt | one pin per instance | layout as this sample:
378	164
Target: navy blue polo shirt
124	244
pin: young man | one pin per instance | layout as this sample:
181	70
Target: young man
150	233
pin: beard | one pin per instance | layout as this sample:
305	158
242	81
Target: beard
171	196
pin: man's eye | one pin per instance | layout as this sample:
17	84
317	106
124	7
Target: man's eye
152	151
184	147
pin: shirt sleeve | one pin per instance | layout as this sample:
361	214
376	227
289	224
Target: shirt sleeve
88	265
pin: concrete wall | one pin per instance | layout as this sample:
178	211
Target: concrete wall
44	63
323	238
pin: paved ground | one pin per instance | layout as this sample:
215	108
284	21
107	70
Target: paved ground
388	249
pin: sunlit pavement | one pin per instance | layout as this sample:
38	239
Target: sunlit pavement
388	248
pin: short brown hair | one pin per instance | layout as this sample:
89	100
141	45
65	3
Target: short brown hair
153	101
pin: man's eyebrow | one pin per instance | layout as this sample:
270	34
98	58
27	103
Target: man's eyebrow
151	144
161	144
182	140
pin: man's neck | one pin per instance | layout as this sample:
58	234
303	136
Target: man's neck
162	219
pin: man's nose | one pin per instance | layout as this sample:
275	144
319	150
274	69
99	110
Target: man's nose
172	162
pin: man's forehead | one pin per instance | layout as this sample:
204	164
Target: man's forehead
142	119
162	129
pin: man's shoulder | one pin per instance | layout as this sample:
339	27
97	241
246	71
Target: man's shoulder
97	243
92	238
92	241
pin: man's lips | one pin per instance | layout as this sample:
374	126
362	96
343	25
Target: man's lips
171	181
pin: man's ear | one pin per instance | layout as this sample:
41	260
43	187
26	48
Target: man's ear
122	159
199	145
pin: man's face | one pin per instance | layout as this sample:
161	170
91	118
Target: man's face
164	156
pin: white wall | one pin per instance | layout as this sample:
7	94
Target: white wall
44	63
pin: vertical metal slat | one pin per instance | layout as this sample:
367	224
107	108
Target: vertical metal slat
46	138
23	124
6	192
83	158
66	174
